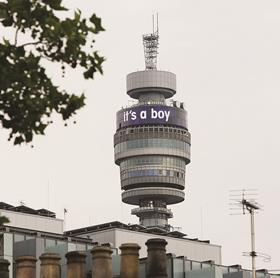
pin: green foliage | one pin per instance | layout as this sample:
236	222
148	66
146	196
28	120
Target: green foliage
3	220
28	96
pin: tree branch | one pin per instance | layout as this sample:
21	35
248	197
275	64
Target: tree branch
47	58
30	43
16	36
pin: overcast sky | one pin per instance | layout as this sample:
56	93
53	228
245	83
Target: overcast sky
226	55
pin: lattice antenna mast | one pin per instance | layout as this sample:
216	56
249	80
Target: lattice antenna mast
150	42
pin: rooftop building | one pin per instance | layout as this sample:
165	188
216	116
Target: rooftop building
32	219
117	233
16	242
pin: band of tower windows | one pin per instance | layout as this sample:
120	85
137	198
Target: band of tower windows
152	143
168	161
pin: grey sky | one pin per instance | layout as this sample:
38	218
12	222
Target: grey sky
227	60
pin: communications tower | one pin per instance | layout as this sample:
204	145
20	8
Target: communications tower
152	142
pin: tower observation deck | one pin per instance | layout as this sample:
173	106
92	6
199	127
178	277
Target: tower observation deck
152	142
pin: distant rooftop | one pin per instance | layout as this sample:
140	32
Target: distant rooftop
27	210
132	227
43	234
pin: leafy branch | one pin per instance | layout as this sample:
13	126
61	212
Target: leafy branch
3	220
28	96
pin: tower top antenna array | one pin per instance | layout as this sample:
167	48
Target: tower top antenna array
150	42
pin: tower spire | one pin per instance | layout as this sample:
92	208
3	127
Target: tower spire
150	42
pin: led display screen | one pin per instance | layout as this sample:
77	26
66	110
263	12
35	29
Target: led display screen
152	114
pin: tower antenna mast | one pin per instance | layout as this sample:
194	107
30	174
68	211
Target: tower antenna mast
150	42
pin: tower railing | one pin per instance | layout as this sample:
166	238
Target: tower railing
151	208
171	102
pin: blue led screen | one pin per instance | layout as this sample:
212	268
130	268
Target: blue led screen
152	114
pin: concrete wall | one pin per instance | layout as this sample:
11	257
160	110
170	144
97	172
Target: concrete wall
151	78
107	236
33	222
194	250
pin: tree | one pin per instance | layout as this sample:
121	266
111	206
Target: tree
3	220
28	96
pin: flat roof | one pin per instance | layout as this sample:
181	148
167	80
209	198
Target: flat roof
27	210
131	227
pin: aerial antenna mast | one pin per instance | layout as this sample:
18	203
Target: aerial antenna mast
150	42
249	206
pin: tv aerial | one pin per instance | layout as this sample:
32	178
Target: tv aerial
244	200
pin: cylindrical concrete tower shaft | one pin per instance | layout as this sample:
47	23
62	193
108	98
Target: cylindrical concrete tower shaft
152	147
152	142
